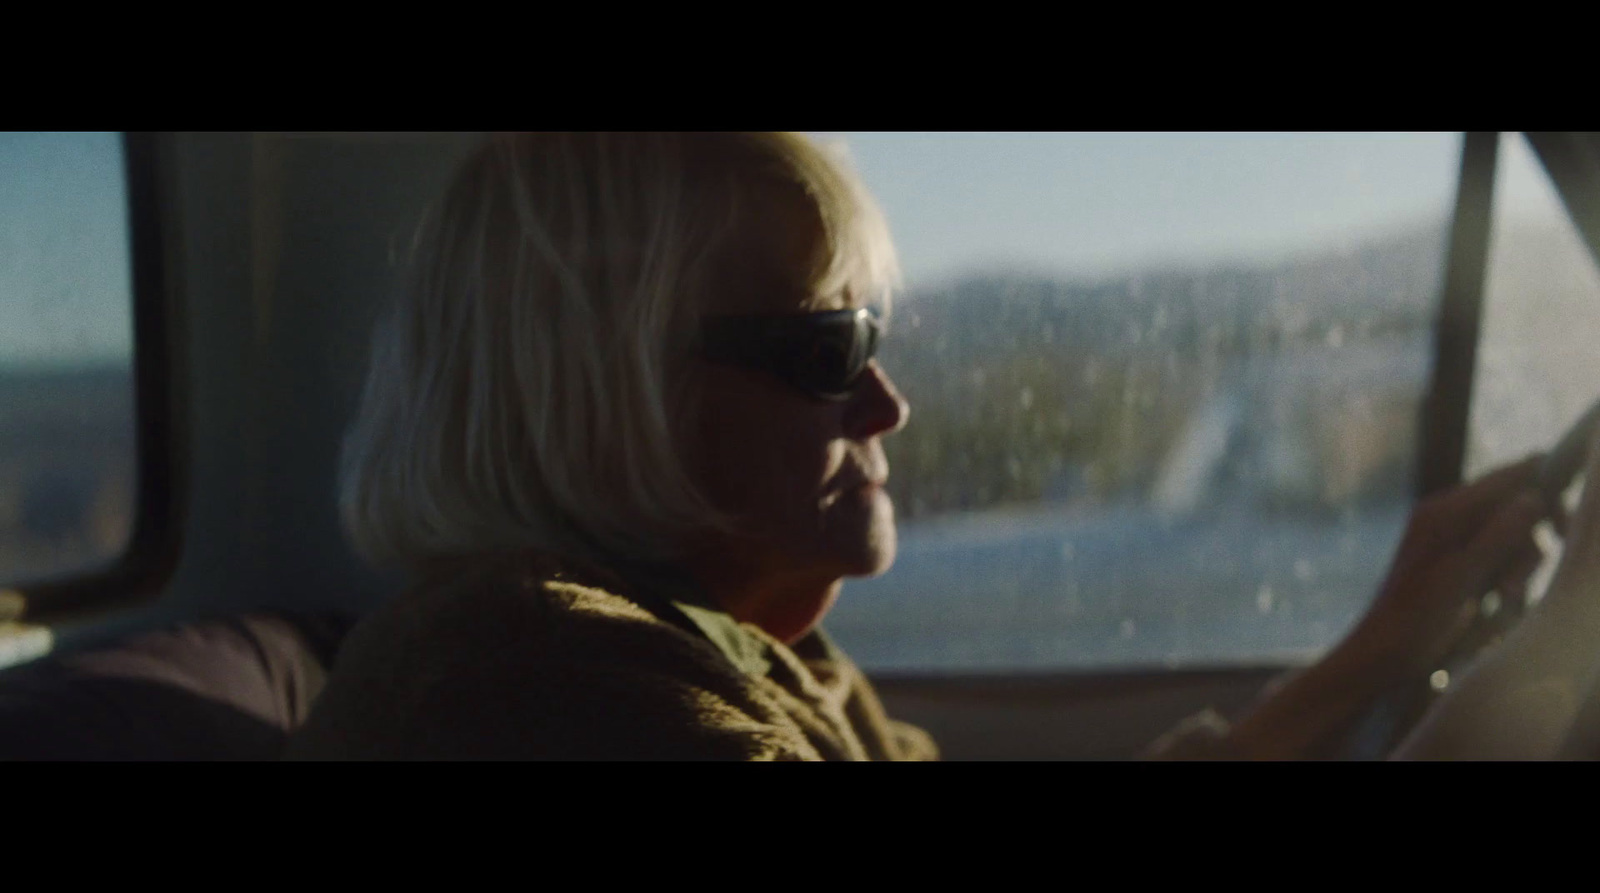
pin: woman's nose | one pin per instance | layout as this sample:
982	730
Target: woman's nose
877	407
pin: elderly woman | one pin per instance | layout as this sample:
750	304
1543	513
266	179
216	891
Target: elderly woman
623	429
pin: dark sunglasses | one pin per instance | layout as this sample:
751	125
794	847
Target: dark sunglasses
823	354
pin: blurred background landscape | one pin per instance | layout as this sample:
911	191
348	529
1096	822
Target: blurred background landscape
1191	468
1165	468
67	461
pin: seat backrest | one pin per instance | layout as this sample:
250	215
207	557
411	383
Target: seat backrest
229	689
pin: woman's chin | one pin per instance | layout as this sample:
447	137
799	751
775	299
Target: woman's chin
867	539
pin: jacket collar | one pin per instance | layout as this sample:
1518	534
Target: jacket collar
675	597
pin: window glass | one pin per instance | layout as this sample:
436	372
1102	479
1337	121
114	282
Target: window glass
1538	360
1164	392
66	396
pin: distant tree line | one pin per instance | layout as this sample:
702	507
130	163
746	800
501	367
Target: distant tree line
1027	390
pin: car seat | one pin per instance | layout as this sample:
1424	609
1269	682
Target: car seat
228	689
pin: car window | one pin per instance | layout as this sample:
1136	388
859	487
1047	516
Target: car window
1163	388
67	448
1538	362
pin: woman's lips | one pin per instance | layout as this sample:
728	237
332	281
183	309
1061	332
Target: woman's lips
856	488
867	484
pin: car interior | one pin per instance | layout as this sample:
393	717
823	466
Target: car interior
1145	474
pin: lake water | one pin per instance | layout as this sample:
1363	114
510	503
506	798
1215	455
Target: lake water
1117	588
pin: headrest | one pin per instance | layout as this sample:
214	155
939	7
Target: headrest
229	689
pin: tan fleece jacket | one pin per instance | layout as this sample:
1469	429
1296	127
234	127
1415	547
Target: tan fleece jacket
520	660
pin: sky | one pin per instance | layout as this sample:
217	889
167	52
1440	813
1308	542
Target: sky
1071	204
1096	204
65	280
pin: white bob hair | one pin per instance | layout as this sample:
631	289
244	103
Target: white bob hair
530	386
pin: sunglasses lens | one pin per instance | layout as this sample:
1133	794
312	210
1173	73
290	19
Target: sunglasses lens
865	345
822	354
840	352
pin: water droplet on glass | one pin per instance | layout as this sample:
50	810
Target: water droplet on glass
1490	605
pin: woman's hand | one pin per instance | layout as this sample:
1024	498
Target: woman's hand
1458	546
1520	701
